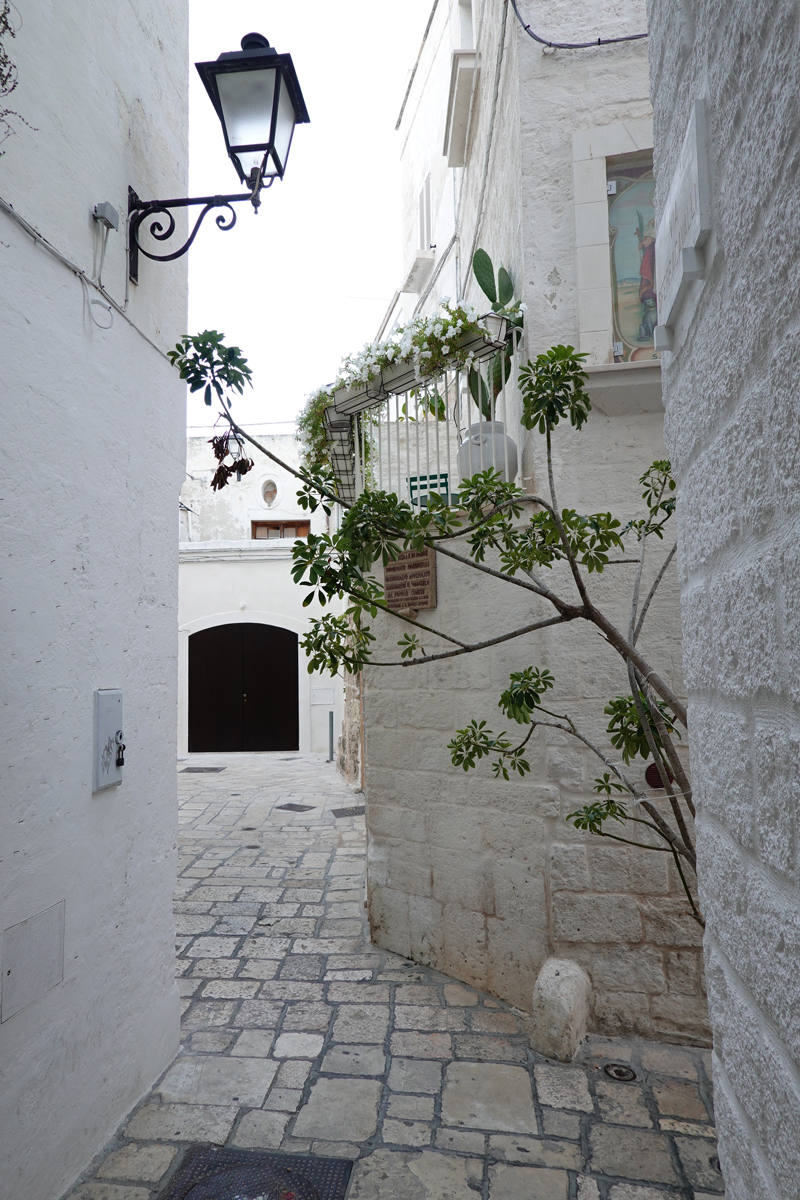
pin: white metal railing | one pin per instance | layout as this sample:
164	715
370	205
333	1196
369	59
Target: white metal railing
428	438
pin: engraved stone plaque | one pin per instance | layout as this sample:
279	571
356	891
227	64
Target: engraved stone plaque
410	582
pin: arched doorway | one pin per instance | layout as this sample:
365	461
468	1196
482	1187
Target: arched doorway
243	689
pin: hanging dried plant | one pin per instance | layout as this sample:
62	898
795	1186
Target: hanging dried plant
227	445
8	74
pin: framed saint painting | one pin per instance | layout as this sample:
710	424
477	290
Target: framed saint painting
632	239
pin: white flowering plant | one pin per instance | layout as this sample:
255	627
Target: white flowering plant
433	344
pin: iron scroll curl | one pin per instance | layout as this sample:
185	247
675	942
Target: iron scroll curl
224	221
154	212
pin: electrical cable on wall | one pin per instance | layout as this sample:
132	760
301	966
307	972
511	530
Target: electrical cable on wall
631	37
85	280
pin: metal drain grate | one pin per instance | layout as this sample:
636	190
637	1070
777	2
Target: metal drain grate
358	811
201	770
295	807
620	1072
207	1173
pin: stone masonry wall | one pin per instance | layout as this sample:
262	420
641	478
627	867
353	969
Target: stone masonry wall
730	389
484	878
479	877
348	757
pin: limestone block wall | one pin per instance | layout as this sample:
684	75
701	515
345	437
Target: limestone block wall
484	878
348	753
479	877
730	388
89	584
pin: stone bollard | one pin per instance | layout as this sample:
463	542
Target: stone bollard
560	1008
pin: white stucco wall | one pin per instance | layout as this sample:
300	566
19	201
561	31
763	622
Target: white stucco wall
479	877
89	581
730	389
226	577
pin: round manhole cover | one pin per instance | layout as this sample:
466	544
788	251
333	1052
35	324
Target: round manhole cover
620	1072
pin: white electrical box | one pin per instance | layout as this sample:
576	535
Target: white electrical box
322	695
109	747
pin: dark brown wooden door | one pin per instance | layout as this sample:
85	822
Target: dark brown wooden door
243	689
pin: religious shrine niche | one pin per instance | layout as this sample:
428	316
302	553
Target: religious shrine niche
632	240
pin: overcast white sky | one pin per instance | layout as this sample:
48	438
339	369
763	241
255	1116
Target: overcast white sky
307	280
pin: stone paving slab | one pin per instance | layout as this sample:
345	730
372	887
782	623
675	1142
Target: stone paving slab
299	1035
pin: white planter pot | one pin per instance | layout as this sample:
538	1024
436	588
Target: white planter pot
486	447
401	377
397	378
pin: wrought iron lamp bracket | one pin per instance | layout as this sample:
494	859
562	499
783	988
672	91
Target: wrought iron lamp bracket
140	211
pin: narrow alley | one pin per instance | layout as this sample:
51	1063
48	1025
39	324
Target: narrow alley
301	1037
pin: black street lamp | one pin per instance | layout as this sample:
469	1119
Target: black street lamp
257	97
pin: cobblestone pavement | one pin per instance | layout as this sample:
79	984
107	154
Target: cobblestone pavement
299	1035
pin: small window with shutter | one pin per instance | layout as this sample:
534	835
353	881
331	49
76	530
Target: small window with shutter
266	530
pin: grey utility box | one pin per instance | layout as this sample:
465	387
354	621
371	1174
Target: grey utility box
109	748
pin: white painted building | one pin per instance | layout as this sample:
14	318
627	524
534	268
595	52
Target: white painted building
243	678
94	423
730	393
532	156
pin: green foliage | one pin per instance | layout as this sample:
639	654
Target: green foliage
553	388
476	741
591	817
604	785
409	643
520	701
501	295
487	490
591	538
429	403
204	361
483	270
658	495
311	494
523	695
311	432
505	288
538	543
627	733
336	642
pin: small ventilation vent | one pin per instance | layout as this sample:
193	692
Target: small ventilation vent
357	811
201	770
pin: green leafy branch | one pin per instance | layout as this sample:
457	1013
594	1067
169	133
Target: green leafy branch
500	293
206	363
553	389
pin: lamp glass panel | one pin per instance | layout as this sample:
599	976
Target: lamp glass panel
250	159
246	98
284	124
